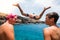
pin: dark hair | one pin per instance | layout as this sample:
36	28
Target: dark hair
53	15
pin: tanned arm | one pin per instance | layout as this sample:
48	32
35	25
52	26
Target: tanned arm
41	14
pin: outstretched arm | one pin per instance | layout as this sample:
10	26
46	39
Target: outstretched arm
24	14
29	15
17	5
38	17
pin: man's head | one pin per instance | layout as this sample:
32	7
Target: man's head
11	18
51	18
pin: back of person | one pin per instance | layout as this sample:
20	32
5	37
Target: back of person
2	34
55	33
6	32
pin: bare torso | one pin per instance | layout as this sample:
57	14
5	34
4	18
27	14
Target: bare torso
6	31
54	33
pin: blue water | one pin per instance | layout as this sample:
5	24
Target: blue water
29	31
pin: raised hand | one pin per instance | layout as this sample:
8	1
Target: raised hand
47	8
16	4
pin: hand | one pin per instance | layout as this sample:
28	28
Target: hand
47	8
16	4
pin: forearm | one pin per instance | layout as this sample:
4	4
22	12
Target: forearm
41	14
38	17
20	10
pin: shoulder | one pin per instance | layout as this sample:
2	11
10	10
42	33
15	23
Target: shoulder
1	28
47	30
6	27
9	27
59	28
